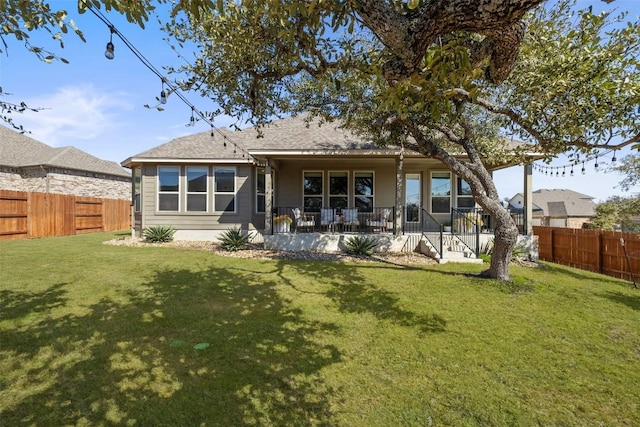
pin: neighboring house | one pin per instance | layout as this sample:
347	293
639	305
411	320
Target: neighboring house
31	166
558	208
321	177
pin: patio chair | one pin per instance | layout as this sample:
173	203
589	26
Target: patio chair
327	218
303	221
380	220
350	218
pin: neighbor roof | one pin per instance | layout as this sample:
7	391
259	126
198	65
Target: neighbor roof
290	136
564	203
20	151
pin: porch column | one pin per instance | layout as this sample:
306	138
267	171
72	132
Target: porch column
268	200
528	199
399	192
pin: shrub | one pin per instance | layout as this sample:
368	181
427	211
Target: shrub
360	245
235	240
158	234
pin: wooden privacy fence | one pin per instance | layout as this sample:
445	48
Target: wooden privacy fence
25	215
592	250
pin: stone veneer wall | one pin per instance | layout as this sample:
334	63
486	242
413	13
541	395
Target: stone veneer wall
65	181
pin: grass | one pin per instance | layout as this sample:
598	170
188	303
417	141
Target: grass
93	334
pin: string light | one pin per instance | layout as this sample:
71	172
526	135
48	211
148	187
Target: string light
109	50
163	94
556	170
109	54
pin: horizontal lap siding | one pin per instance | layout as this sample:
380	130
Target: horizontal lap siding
197	220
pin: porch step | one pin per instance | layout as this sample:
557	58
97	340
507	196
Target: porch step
453	251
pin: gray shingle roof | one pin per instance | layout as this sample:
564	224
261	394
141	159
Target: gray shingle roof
19	151
564	203
292	134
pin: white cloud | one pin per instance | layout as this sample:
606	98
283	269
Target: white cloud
74	113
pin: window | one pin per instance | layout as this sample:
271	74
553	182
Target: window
224	189
312	187
137	187
464	199
338	190
168	188
412	197
440	192
197	188
363	185
260	190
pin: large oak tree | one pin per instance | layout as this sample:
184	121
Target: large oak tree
440	77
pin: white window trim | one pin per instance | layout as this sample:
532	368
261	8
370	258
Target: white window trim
158	192
329	195
324	184
464	196
187	192
451	190
373	190
235	190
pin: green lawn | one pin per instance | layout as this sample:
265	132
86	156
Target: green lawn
93	334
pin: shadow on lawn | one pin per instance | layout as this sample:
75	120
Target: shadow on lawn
632	301
215	347
352	294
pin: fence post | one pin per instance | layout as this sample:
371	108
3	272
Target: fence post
553	255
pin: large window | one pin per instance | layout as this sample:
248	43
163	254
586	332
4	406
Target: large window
197	177
338	190
137	189
312	198
168	188
363	186
440	192
224	195
464	199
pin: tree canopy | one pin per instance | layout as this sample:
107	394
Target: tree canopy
438	77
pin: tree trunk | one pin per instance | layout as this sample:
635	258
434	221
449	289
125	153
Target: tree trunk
506	237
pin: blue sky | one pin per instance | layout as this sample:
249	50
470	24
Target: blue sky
97	105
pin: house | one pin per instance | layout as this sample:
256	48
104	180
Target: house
558	208
31	166
292	177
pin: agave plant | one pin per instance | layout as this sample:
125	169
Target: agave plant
158	234
235	240
360	245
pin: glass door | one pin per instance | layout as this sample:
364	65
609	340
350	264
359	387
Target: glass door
412	199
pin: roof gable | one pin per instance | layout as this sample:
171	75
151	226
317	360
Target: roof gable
21	151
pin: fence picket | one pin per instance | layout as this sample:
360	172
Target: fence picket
592	250
24	215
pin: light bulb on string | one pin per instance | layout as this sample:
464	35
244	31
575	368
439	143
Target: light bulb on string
211	131
584	171
163	94
564	170
571	172
109	50
557	173
224	142
596	166
613	159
